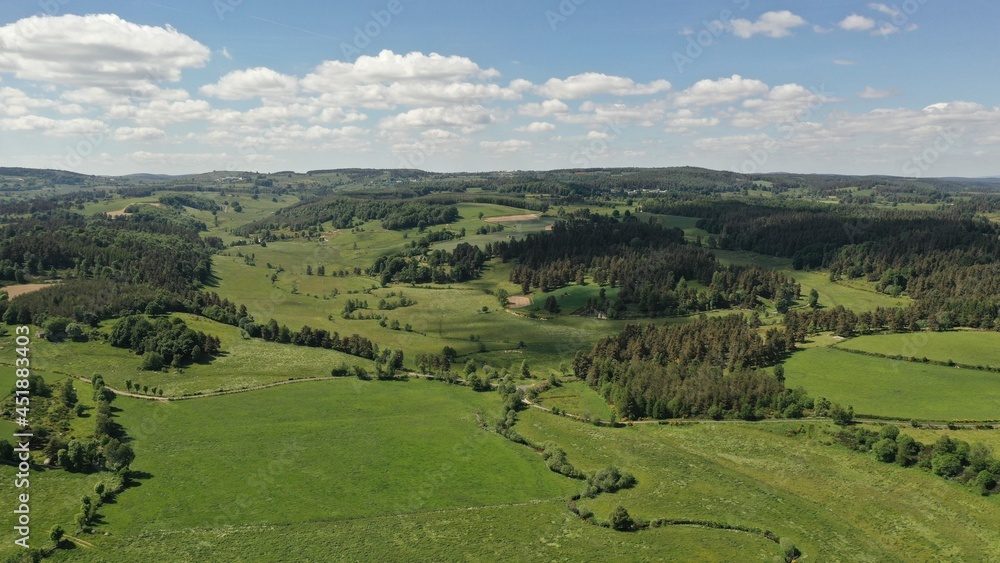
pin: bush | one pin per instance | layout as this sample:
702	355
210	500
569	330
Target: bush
621	520
74	331
152	361
885	450
946	465
609	480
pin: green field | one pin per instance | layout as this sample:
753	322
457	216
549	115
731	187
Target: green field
243	363
576	397
965	347
901	389
345	469
756	475
542	531
349	463
443	315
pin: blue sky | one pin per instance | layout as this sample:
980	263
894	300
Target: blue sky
902	88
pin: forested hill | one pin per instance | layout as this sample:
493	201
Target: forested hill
112	264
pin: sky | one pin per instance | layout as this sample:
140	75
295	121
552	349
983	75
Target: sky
906	88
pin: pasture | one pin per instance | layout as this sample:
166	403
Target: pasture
967	347
759	476
900	389
243	363
576	397
320	452
444	315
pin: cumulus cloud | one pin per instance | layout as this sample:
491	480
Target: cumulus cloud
390	67
252	83
132	134
722	91
770	24
53	127
537	127
389	79
855	22
593	83
547	108
782	104
99	50
467	118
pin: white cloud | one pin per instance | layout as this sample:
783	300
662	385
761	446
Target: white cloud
684	120
53	127
252	83
158	113
389	67
547	108
722	91
96	50
891	12
782	104
338	115
506	147
388	79
467	118
593	83
537	127
771	24
855	22
885	29
132	134
870	93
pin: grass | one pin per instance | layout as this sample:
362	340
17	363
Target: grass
576	397
244	363
966	347
883	387
758	476
319	452
543	531
443	315
347	470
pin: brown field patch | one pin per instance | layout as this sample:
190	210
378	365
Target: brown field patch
511	218
518	302
23	289
121	211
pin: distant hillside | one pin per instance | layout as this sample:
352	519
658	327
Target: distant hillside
56	176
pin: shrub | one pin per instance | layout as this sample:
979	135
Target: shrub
946	465
152	361
621	520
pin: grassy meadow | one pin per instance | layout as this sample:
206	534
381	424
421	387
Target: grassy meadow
901	389
243	362
576	397
967	347
835	504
